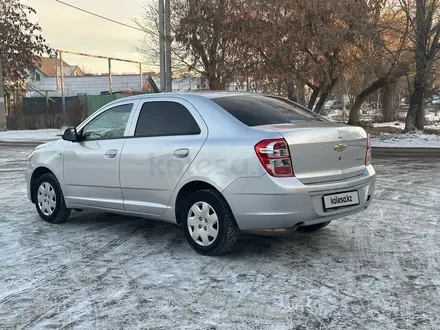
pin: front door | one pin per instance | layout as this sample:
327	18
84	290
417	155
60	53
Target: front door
168	135
91	166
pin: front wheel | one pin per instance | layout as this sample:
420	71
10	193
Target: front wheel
49	199
208	223
313	228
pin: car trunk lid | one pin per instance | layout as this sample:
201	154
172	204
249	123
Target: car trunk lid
322	151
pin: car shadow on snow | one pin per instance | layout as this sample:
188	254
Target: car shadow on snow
264	243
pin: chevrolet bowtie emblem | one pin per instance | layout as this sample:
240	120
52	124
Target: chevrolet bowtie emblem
340	147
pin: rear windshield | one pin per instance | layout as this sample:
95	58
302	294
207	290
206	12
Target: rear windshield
258	110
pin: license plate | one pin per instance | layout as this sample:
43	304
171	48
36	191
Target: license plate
341	200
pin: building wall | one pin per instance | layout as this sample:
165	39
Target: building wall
95	85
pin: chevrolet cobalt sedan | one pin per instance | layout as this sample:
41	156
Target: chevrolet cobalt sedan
215	163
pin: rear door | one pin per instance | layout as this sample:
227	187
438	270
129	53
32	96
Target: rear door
168	134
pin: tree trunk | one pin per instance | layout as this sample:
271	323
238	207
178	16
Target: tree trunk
214	83
353	119
300	95
415	118
313	98
325	92
321	101
360	99
420	115
290	90
387	99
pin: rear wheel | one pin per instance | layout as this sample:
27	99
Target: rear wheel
208	223
49	199
312	228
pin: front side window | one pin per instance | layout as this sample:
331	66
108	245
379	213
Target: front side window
165	118
110	124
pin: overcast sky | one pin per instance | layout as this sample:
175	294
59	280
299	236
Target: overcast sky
70	29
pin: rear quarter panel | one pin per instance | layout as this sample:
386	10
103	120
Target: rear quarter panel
228	152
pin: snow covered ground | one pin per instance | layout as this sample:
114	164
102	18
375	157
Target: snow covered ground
409	140
401	125
41	135
375	270
398	140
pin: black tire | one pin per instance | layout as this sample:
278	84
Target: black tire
61	212
313	228
228	230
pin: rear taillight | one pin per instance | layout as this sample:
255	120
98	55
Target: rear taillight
275	157
368	153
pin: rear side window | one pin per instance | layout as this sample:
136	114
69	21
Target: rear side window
257	110
163	118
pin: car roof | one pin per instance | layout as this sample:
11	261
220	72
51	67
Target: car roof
209	94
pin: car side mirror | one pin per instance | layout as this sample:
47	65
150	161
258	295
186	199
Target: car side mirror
70	134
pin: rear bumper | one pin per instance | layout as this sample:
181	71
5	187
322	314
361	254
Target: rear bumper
279	203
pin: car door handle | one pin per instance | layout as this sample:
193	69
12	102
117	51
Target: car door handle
111	153
181	153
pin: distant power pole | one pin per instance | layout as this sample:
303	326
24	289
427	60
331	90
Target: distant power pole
165	45
168	75
2	102
161	45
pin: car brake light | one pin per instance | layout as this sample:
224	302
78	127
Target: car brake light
368	152
274	155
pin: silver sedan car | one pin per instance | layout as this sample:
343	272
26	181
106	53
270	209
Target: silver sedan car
214	163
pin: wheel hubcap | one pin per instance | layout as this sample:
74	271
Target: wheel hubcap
203	223
46	198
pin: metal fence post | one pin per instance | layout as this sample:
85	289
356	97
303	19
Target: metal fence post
110	76
140	76
46	116
57	70
63	98
2	102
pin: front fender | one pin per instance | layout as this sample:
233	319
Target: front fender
50	157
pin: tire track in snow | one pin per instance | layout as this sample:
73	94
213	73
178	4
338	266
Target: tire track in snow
69	265
394	201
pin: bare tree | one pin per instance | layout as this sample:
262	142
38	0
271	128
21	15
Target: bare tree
205	39
211	32
383	59
424	16
310	40
149	44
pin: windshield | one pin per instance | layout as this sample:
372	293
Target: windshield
258	110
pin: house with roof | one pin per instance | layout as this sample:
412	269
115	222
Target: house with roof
47	67
44	79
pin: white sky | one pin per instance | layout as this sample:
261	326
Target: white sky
67	28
